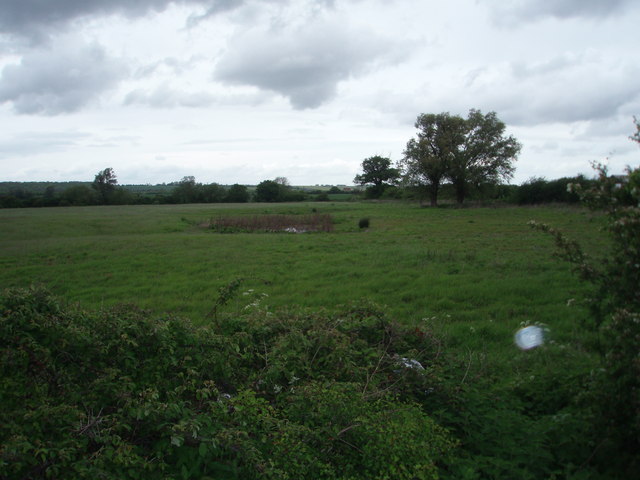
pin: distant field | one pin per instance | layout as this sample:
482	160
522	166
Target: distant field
475	273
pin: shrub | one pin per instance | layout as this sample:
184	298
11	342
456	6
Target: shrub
615	307
363	223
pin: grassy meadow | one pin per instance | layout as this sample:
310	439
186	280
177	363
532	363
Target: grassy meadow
468	277
475	274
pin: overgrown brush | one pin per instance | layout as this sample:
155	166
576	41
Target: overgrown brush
120	394
614	393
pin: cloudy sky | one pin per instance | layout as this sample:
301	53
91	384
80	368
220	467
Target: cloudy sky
239	91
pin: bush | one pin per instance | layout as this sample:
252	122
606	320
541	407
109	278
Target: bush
363	223
615	305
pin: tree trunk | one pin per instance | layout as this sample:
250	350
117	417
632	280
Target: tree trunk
460	192
433	194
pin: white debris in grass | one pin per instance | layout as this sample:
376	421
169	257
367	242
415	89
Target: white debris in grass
410	363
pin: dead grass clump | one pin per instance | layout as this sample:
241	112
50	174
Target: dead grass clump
273	223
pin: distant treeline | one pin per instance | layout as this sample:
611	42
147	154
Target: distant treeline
61	194
53	194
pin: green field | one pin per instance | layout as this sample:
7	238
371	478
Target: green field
471	277
476	274
475	264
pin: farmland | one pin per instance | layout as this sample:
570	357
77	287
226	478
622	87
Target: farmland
473	276
476	274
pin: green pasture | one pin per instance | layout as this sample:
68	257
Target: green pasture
475	274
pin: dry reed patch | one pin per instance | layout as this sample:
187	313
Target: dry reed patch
273	223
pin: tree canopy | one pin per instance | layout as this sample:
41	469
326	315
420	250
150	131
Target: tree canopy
466	152
377	171
268	191
237	194
104	184
428	158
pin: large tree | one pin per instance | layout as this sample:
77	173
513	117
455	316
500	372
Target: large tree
428	158
466	152
378	172
485	155
104	184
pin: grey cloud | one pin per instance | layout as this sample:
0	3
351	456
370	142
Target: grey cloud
521	11
530	105
569	89
565	89
583	90
59	80
216	8
35	18
304	66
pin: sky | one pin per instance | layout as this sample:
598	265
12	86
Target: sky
240	91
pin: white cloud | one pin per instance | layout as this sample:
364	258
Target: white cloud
61	78
167	97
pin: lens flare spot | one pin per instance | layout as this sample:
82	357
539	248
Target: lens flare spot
529	337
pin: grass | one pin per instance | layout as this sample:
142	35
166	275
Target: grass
475	274
472	275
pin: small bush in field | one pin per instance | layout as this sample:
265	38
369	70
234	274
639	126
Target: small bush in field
363	223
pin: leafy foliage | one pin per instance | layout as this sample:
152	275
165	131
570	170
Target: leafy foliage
105	184
615	305
539	190
377	171
467	152
427	159
237	194
119	394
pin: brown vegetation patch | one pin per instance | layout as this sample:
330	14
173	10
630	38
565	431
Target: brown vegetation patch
273	223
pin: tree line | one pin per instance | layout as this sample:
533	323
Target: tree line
536	190
105	190
451	156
